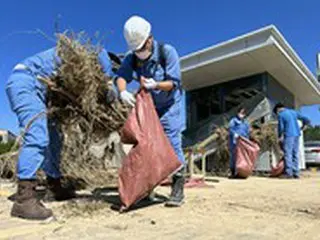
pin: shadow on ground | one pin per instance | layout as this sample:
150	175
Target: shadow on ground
111	196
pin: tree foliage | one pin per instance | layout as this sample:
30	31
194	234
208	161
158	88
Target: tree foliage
6	147
312	133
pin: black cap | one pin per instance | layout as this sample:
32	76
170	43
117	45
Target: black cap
276	107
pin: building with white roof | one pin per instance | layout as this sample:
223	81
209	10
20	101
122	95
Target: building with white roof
254	70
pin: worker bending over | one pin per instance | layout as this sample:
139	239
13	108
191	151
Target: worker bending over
157	68
41	142
289	133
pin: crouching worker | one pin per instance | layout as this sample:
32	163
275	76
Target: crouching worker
238	126
158	70
289	133
41	142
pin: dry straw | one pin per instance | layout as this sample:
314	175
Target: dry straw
78	106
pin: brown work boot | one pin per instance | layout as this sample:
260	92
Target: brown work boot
55	191
27	205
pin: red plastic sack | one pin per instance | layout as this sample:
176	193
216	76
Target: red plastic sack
277	170
151	160
246	154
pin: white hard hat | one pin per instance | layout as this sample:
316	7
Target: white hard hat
136	31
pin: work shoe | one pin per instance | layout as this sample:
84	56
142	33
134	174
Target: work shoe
233	176
27	205
55	191
285	176
177	196
296	176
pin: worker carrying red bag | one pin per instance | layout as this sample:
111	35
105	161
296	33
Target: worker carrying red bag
157	68
243	152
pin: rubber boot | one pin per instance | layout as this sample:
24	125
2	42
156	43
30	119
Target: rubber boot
55	191
27	205
177	196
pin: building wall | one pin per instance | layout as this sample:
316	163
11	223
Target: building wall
205	103
278	93
214	105
11	137
3	136
209	102
6	136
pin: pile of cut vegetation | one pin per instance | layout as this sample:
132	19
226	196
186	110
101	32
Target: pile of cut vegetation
81	104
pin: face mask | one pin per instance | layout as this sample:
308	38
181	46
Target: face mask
241	116
143	55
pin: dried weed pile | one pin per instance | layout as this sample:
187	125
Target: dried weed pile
82	110
8	165
266	136
78	105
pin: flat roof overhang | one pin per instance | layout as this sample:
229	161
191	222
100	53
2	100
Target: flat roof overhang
264	50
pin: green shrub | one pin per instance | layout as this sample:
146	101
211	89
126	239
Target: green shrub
312	134
6	147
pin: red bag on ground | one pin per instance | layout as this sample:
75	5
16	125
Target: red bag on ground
151	160
278	169
246	154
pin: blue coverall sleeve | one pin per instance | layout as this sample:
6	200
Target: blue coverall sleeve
305	120
173	72
126	70
232	125
280	125
105	63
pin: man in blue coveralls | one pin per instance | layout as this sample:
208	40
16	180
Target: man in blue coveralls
41	143
157	69
289	133
238	126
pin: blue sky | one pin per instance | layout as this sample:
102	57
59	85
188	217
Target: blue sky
188	25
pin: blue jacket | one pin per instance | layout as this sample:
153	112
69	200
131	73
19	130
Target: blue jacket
239	127
288	123
151	69
45	63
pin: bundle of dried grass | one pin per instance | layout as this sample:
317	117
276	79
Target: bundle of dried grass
222	154
8	165
79	103
78	106
266	136
218	162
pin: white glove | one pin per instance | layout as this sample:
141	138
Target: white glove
127	98
235	138
150	84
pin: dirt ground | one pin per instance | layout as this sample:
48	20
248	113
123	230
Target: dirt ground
256	208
